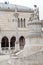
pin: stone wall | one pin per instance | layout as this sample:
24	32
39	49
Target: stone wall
33	45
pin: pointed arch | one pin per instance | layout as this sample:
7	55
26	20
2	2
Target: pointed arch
12	41
4	42
18	22
24	22
21	22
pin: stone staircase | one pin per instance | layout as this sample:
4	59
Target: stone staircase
33	59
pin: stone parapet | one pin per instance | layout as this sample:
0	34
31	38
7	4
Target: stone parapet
35	28
34	35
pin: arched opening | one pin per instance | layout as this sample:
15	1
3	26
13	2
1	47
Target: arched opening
24	22
12	42
21	23
18	22
4	43
21	42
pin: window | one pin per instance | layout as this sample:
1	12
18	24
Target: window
24	22
18	22
21	23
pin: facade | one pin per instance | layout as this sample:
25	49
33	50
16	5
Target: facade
19	24
21	35
13	25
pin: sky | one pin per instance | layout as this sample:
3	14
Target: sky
28	3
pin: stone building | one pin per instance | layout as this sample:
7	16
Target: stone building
19	26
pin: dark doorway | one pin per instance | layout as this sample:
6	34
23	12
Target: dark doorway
5	43
12	42
21	42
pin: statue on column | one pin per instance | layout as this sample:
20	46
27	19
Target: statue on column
35	15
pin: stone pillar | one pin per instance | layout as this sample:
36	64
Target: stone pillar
16	20
9	45
17	46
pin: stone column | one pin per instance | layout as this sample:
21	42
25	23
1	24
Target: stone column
16	20
17	46
9	45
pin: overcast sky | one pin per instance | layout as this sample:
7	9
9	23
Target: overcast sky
28	3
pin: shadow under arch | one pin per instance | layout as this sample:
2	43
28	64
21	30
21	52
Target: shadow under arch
12	41
4	43
21	42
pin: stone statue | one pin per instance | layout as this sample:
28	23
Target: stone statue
35	15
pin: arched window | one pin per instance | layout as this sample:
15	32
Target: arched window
18	22
4	43
12	42
24	22
21	22
21	42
